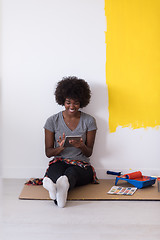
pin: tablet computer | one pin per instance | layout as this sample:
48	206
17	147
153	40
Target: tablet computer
68	138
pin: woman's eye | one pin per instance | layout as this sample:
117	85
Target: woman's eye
76	103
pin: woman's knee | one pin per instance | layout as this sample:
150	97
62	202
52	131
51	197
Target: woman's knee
55	170
72	176
79	176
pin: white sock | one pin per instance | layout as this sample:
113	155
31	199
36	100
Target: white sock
50	186
62	185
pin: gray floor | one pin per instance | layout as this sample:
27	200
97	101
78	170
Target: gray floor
36	220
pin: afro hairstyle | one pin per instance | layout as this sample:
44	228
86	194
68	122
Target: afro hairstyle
73	88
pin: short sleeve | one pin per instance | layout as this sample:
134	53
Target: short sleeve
49	125
92	124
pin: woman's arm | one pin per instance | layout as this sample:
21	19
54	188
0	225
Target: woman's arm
86	148
50	150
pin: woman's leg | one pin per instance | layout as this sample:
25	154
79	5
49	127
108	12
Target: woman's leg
73	176
56	170
55	173
67	176
62	186
78	176
50	187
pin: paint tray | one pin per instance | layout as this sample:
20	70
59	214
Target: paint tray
137	179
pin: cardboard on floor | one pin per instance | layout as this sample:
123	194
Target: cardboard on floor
94	192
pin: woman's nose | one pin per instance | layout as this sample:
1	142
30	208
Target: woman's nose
72	105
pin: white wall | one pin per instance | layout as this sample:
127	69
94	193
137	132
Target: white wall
0	95
42	41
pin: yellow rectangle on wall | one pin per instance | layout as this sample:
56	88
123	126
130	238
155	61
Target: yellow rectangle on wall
133	63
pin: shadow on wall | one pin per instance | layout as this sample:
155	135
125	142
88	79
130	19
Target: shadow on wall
98	108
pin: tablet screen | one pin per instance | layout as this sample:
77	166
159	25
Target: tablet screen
68	138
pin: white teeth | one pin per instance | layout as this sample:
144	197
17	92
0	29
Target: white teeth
71	110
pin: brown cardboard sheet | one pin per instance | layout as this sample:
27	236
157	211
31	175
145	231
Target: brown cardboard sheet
94	192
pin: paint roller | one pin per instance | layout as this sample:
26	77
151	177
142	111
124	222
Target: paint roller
133	175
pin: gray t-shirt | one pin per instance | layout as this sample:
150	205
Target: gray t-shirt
56	124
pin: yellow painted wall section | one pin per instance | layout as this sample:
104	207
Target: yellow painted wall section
133	63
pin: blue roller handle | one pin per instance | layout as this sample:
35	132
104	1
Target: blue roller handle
114	173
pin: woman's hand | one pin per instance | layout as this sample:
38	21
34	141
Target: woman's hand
86	147
77	144
61	140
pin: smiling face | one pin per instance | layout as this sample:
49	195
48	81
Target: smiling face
71	106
